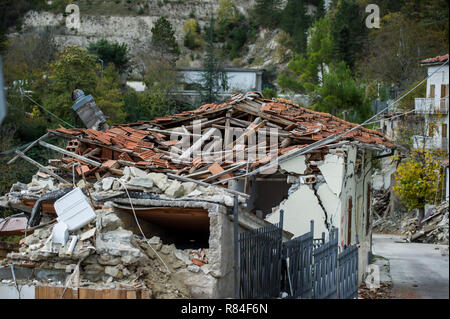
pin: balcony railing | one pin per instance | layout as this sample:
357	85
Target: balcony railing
431	105
435	142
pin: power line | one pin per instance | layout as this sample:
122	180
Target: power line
386	108
391	118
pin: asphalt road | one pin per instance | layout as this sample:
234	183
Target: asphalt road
418	271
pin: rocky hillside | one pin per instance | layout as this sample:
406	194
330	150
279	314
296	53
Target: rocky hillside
131	23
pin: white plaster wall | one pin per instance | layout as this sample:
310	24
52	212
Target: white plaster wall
332	169
299	209
9	291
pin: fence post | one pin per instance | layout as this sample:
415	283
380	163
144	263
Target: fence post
281	221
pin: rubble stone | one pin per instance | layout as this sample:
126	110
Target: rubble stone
114	272
31	239
110	221
193	268
175	190
42	233
189	187
160	180
183	257
108	260
107	183
154	240
144	182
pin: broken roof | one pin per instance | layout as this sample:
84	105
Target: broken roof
151	145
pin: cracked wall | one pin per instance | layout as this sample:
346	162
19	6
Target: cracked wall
343	174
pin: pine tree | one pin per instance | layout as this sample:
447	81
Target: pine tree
295	22
213	78
348	31
267	13
163	40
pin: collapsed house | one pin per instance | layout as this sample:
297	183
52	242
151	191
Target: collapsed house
163	191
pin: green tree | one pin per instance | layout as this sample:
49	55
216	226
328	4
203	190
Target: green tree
108	96
341	95
163	40
394	50
214	78
192	39
419	180
304	71
267	13
111	53
348	31
295	22
75	68
232	28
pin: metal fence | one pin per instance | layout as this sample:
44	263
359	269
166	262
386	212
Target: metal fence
348	273
260	262
304	266
325	268
298	255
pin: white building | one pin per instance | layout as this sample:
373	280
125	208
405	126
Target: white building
239	80
434	107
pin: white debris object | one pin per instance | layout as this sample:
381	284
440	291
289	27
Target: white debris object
60	233
72	245
74	209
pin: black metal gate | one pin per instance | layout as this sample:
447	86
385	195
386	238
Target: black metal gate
298	254
348	273
325	268
260	262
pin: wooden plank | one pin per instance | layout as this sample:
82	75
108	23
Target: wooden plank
27	148
42	167
246	133
65	152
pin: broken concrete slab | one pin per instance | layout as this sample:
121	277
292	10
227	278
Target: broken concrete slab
295	165
160	180
143	182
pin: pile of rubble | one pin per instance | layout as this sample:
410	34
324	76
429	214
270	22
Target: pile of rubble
108	256
434	227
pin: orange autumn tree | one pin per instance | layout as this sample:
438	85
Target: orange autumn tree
419	181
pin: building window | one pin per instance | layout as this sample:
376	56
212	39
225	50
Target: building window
431	91
444	130
444	90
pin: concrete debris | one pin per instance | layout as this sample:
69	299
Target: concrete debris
111	255
434	230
